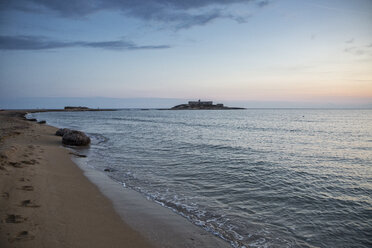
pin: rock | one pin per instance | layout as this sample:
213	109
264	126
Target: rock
42	122
108	170
62	131
75	138
32	119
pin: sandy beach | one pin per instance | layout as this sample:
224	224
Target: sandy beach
48	201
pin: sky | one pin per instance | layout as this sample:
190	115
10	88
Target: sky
268	52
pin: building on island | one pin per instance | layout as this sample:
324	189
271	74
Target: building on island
200	103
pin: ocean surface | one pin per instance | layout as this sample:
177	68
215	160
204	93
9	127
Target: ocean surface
256	177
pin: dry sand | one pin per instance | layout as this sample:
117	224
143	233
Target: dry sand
46	201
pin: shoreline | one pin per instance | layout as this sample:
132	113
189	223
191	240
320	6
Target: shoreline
46	201
70	204
157	223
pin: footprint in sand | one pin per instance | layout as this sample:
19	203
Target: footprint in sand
15	164
3	156
32	161
15	218
22	179
5	195
22	236
29	204
27	188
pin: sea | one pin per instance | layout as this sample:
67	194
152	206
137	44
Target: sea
254	177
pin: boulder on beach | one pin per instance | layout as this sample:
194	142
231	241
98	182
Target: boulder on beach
32	119
75	138
62	131
42	122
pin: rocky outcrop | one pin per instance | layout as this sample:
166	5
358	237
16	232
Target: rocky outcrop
62	131
75	138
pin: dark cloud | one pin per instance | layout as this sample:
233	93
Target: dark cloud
177	13
29	43
263	3
118	45
42	43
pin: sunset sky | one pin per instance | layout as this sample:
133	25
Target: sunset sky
317	51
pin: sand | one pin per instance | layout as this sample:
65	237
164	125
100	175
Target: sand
46	200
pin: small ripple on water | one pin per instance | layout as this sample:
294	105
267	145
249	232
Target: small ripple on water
257	178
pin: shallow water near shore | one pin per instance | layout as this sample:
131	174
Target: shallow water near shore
256	178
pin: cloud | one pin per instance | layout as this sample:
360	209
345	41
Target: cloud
359	50
263	3
355	51
175	13
350	41
42	43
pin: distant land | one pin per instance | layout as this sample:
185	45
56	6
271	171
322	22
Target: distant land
208	105
83	108
7	102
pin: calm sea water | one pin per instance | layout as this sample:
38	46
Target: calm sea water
257	178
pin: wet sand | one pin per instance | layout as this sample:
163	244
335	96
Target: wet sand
46	201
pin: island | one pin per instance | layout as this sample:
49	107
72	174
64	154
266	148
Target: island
81	108
194	105
75	108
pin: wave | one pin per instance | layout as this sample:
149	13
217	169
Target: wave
253	181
